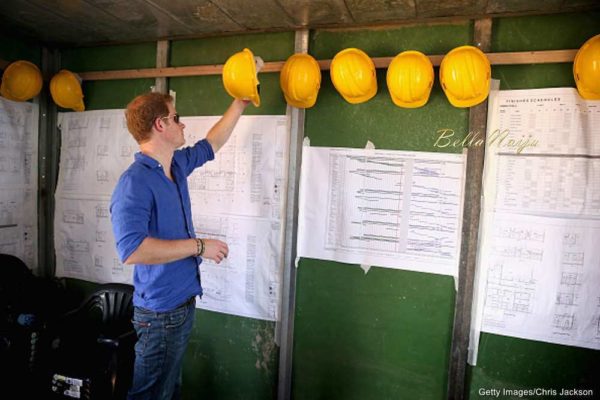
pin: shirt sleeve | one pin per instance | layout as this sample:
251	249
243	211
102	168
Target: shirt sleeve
194	156
130	211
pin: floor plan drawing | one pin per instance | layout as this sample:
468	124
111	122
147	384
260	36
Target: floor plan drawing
19	180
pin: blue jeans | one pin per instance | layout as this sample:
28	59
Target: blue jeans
162	341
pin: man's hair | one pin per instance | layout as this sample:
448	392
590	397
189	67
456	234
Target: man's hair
142	111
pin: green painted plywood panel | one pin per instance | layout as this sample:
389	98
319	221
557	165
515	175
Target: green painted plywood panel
335	122
544	32
111	94
383	335
269	46
206	95
13	48
521	365
230	357
550	32
386	334
507	362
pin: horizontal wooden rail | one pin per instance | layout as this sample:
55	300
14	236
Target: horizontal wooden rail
509	58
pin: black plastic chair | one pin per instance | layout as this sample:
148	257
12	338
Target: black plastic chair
93	347
17	355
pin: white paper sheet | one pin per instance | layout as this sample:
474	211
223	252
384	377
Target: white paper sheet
18	180
542	279
95	149
238	198
385	208
547	193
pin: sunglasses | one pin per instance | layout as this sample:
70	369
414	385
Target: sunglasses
175	118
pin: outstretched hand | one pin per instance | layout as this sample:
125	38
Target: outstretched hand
215	250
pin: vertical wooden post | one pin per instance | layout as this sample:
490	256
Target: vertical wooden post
162	61
288	287
470	231
48	154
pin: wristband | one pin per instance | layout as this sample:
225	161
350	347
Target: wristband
200	244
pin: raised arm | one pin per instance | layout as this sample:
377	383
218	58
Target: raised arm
221	131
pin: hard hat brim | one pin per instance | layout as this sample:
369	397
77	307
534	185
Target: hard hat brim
414	104
586	94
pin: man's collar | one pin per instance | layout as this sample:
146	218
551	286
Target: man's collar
146	160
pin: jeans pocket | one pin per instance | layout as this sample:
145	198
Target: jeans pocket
177	317
142	323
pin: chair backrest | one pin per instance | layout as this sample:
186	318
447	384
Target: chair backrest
15	283
13	268
109	309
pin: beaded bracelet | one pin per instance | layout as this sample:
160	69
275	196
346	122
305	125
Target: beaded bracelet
200	244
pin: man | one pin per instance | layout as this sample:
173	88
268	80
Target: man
152	224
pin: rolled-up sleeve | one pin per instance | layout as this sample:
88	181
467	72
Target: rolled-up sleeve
194	156
130	211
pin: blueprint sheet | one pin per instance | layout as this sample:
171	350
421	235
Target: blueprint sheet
95	149
385	208
237	198
19	180
539	261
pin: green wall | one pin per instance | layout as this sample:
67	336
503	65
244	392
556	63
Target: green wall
13	48
229	357
102	95
506	362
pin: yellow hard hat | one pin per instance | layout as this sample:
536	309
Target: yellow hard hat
409	79
239	77
65	89
586	69
300	80
21	81
353	75
465	75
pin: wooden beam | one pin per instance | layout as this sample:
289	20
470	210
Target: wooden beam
508	58
532	57
457	370
162	60
288	281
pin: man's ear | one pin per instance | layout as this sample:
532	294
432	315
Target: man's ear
158	124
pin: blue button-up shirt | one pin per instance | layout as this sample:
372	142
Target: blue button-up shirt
145	203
